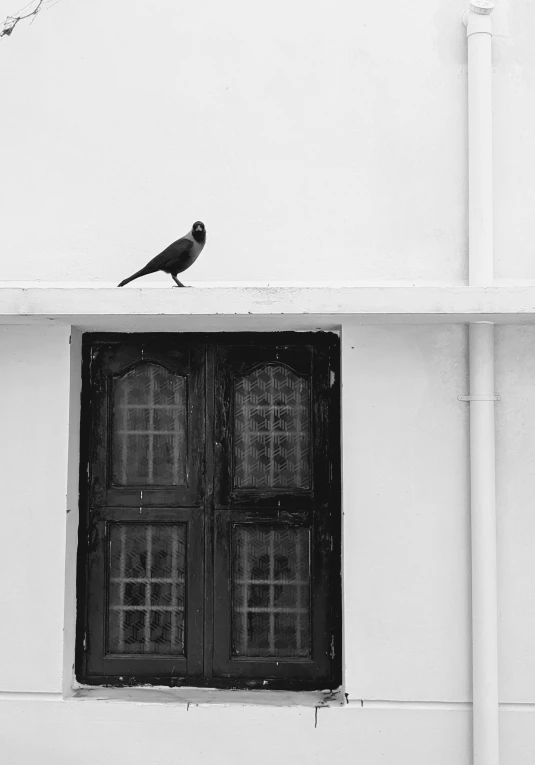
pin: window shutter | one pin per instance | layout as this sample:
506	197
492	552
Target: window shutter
273	510
144	511
209	548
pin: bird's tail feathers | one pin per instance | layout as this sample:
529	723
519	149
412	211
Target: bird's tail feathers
143	272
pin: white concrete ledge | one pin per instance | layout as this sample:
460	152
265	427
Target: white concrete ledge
168	308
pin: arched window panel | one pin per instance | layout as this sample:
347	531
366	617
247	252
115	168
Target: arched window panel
272	429
149	427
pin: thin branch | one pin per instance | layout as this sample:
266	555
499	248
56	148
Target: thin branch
32	9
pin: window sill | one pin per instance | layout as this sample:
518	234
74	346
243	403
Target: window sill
210	696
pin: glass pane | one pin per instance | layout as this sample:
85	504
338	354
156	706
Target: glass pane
149	428
146	588
272	430
271	592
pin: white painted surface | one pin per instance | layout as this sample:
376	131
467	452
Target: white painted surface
72	519
513	57
325	138
485	693
515	480
479	25
99	733
330	138
326	143
83	306
406	513
517	737
34	395
406	565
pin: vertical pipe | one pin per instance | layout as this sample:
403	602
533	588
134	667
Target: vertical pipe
482	422
480	212
484	578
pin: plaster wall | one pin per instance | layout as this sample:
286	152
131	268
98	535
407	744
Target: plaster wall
406	513
406	572
34	391
513	55
515	484
99	733
317	141
323	141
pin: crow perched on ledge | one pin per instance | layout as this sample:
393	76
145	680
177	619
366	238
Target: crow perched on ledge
177	257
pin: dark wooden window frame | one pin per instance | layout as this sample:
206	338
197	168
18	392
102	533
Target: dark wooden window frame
212	508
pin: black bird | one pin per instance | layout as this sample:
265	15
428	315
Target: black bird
177	257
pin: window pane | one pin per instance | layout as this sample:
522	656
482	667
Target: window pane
271	592
146	588
272	430
149	428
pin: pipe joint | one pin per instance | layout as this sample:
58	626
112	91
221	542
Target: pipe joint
483	7
477	18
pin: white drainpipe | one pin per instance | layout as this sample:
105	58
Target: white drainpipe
484	579
482	396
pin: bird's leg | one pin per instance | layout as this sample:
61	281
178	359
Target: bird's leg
178	284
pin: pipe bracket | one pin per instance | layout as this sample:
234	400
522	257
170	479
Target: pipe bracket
479	397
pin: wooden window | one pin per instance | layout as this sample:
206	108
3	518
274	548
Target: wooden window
209	548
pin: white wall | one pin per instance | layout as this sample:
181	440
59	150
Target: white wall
406	571
406	566
34	391
514	140
100	733
515	480
323	140
406	513
316	140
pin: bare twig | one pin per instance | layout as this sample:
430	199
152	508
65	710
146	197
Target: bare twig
29	11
